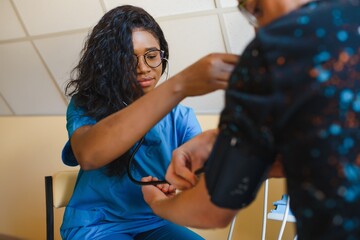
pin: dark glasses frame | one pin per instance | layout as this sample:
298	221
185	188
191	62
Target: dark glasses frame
247	14
161	53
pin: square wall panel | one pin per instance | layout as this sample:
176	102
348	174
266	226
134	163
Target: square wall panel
49	16
211	103
158	8
25	83
238	31
188	41
228	3
61	54
10	26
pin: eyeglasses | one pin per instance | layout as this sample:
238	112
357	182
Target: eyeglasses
152	58
249	15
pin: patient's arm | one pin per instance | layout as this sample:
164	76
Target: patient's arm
276	170
191	208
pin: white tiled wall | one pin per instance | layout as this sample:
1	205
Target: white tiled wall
50	16
40	42
61	54
238	31
159	8
26	79
228	3
9	24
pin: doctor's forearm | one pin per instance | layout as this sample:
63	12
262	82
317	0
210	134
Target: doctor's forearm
193	208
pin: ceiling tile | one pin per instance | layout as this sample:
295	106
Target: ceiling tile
12	28
25	83
44	16
228	3
239	31
159	8
186	50
61	55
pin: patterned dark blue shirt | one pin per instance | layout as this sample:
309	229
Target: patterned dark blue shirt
296	93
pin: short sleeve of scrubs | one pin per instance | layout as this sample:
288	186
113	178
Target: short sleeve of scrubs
75	119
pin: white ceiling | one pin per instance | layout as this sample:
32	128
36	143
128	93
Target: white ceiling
40	42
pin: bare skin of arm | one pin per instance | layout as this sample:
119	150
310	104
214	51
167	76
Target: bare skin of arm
97	145
191	208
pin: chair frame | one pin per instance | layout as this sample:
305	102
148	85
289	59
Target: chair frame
58	190
265	217
49	200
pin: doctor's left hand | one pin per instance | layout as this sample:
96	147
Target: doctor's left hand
153	193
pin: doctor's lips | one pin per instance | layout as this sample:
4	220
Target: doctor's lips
145	82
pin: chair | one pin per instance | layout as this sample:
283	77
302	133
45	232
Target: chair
278	215
58	190
281	212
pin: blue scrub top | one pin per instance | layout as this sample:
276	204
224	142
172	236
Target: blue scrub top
115	201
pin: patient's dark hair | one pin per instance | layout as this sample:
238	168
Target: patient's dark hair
104	81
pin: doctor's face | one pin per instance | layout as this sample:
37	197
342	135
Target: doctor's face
149	59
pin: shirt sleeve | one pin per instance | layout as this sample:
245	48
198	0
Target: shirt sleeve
75	119
193	126
243	151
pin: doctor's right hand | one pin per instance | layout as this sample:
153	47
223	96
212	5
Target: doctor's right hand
206	75
188	158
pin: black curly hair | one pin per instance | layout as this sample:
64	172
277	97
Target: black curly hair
104	81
